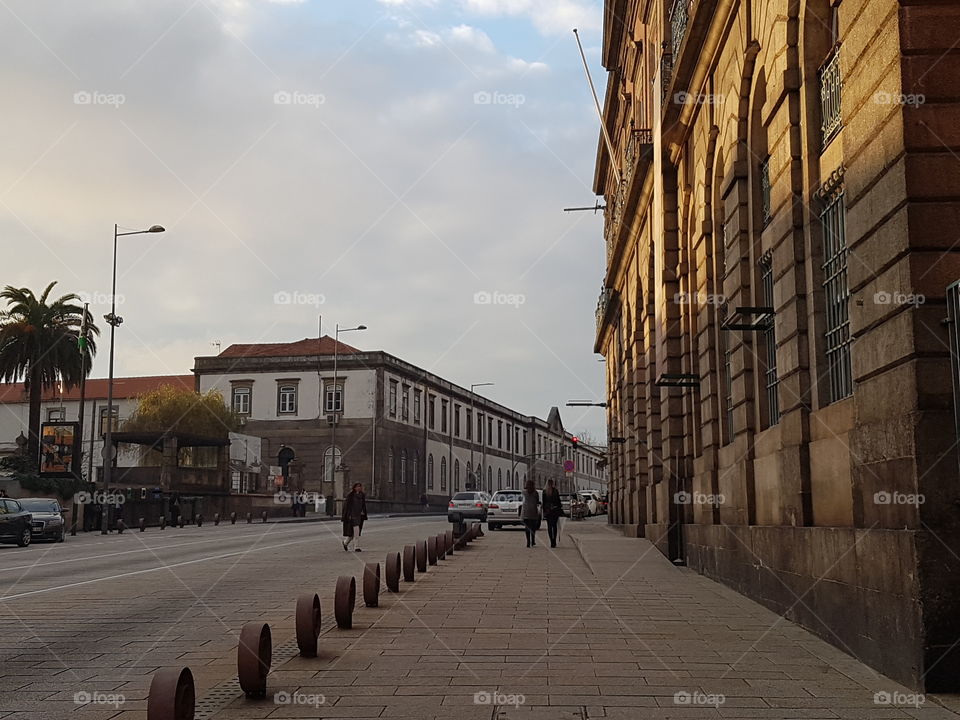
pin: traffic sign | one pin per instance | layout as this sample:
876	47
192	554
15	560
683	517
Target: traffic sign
568	466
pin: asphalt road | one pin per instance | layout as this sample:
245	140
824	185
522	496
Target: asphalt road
85	624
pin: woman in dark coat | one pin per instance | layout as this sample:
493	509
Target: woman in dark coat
530	512
354	513
552	511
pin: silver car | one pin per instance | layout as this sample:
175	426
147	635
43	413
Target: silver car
505	508
470	505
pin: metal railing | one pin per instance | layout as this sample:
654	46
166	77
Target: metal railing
679	16
769	334
666	74
837	298
765	190
606	295
831	91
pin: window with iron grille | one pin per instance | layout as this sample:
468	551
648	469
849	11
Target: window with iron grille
831	91
727	429
769	335
765	190
837	298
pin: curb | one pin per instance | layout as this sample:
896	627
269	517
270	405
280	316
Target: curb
335	518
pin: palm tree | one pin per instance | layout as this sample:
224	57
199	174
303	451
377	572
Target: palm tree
39	342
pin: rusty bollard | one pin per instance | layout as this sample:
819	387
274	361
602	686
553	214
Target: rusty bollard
441	540
233	518
409	562
422	556
263	516
308	624
200	520
254	657
163	521
216	518
120	526
182	519
431	550
449	542
393	572
371	584
172	695
344	600
249	518
143	524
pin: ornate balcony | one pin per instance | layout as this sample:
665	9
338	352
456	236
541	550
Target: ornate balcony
639	146
607	296
679	17
666	73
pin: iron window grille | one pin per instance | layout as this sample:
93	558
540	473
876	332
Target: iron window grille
679	17
769	335
727	384
831	92
837	298
765	202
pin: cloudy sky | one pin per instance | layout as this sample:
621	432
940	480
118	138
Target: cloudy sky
397	163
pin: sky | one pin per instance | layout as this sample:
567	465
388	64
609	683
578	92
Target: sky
401	164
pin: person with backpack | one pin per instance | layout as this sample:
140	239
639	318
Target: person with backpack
552	511
354	513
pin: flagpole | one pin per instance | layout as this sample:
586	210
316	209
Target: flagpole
596	102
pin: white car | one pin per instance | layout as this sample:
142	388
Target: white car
504	509
592	500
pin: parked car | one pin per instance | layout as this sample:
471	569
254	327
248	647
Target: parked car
471	505
505	508
592	500
567	503
604	505
14	523
48	522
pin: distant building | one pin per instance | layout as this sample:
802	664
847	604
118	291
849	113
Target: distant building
401	430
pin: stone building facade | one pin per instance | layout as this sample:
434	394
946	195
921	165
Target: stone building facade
781	232
401	430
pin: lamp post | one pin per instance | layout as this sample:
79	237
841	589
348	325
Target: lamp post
338	393
114	320
473	430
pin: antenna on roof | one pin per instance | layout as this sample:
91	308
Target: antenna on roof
216	344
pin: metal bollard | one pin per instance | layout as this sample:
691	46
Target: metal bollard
344	600
409	562
163	521
172	695
393	572
254	657
308	624
143	524
432	550
422	556
371	584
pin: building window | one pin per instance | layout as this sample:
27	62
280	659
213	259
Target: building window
443	474
431	412
430	471
831	92
240	400
405	404
837	298
765	204
490	478
456	421
443	415
393	398
416	468
456	476
331	460
480	428
103	420
403	466
391	466
509	433
416	407
470	479
524	451
287	400
769	337
469	425
57	414
500	434
490	431
499	479
333	397
727	356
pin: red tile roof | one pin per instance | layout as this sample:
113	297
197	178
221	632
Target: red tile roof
307	346
123	388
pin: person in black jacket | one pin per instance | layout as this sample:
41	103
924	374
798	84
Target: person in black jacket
354	513
552	511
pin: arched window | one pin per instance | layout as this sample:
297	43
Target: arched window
331	460
470	481
403	466
499	479
456	475
443	473
430	471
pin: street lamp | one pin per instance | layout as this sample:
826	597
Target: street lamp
336	390
473	430
114	320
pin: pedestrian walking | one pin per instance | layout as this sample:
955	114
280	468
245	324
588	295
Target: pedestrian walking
552	511
354	513
530	512
424	503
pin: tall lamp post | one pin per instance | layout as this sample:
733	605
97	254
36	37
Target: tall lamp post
114	320
473	431
337	392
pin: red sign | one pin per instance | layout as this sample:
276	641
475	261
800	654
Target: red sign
568	465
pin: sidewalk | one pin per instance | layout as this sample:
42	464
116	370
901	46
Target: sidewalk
601	627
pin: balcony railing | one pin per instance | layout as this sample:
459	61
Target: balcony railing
606	296
638	145
831	90
679	17
666	73
765	190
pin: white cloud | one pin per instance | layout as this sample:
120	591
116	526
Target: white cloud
472	37
550	17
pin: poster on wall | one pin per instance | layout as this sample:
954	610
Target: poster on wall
57	446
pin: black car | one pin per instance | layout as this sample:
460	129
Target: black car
47	523
14	523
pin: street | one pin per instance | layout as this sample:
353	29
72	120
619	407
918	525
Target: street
98	615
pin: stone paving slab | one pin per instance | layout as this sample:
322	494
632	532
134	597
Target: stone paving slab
600	627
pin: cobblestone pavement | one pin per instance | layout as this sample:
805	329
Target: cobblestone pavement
93	618
602	626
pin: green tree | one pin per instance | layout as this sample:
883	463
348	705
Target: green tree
39	343
175	409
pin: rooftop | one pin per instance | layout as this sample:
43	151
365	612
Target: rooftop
123	388
308	346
